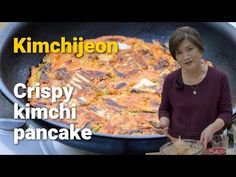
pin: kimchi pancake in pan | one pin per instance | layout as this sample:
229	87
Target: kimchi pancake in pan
114	93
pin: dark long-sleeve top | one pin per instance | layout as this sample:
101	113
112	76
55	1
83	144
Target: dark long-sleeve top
190	114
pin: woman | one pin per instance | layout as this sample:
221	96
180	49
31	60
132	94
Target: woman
196	100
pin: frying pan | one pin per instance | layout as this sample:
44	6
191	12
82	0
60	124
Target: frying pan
220	47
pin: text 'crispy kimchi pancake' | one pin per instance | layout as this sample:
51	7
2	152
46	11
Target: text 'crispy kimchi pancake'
114	93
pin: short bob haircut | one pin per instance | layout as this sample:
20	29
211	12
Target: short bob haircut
182	33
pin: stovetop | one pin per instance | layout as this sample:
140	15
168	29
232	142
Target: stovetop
30	147
33	147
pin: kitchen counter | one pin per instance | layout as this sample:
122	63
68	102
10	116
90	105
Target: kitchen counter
230	151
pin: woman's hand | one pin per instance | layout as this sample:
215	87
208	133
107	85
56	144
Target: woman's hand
163	124
207	134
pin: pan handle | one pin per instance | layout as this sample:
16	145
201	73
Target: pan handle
232	121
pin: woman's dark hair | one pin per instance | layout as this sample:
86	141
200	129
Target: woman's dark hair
182	33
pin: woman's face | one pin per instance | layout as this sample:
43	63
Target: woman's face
188	55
